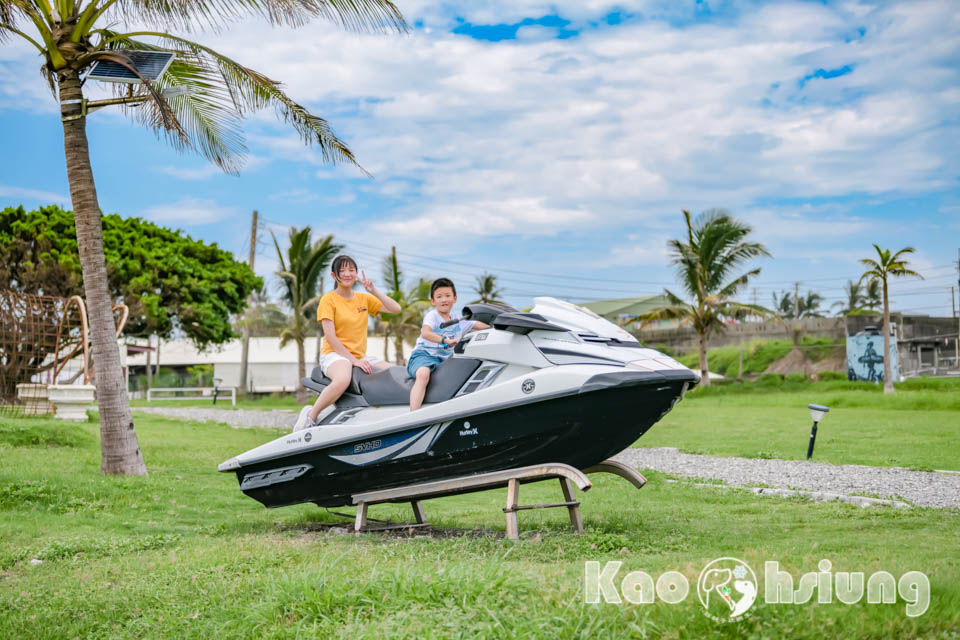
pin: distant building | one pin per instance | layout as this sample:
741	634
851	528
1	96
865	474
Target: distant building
623	311
270	368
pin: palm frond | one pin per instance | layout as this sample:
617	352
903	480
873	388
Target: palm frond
187	15
226	91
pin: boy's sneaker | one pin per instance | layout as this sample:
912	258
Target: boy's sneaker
303	420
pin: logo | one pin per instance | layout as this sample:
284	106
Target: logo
727	588
467	431
307	437
367	446
480	337
361	309
528	386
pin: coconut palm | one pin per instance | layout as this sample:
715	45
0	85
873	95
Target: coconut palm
715	246
196	105
803	307
299	275
888	265
405	325
855	298
487	289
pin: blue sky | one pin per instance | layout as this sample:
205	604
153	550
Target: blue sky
555	144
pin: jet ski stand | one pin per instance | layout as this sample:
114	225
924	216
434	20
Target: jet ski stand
510	478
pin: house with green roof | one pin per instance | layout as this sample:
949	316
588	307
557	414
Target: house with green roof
623	311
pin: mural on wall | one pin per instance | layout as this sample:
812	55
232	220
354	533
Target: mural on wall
865	358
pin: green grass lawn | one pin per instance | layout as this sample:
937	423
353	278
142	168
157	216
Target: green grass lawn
918	427
182	553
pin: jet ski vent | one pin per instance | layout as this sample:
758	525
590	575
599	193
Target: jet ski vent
483	377
273	476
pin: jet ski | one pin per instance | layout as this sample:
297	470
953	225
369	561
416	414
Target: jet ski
555	384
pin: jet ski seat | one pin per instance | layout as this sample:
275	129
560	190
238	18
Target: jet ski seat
392	385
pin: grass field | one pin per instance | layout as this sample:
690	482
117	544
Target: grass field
182	553
918	427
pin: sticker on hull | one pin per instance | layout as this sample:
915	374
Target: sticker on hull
400	445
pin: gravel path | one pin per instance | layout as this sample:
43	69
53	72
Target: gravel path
237	418
928	489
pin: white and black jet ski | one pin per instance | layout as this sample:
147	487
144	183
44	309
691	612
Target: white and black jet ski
556	384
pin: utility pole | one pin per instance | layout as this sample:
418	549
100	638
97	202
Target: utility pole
245	348
956	344
796	300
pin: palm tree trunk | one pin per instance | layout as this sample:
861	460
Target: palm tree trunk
887	378
704	370
119	447
386	343
398	350
301	371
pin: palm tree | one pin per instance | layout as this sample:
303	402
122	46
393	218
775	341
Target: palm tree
803	307
299	275
486	288
406	324
855	299
197	105
715	247
886	266
874	295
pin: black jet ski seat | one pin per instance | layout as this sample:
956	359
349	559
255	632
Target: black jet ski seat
392	385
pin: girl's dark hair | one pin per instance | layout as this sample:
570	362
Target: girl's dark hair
338	263
442	282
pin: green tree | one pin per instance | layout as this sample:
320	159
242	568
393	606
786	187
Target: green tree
855	298
803	307
715	247
887	265
264	318
300	274
405	325
197	105
486	288
171	282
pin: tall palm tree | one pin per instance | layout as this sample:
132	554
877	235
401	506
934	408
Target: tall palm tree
406	324
887	265
715	246
855	298
486	288
299	275
197	105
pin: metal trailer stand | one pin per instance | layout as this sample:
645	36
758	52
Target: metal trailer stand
510	478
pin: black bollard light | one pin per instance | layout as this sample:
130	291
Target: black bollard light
817	412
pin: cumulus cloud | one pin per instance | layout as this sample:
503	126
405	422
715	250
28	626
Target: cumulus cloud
37	195
189	210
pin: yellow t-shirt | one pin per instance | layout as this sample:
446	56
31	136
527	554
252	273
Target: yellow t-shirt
349	317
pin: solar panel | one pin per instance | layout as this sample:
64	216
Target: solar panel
150	64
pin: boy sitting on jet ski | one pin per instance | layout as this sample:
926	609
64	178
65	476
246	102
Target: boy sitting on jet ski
441	331
343	314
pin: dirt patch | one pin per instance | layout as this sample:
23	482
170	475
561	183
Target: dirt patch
797	362
396	530
793	362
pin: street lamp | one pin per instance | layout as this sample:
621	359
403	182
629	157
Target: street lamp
817	411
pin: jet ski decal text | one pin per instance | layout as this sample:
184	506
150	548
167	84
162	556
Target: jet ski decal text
396	445
367	446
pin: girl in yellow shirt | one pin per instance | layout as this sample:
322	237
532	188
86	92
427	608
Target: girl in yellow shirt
343	314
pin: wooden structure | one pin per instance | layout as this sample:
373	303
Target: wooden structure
569	477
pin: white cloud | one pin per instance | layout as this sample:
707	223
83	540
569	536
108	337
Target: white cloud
190	211
43	197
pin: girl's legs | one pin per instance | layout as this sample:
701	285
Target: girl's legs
339	373
419	388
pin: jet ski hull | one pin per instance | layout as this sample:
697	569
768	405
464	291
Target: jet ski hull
581	428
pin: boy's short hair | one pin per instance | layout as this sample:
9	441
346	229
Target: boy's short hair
341	260
442	282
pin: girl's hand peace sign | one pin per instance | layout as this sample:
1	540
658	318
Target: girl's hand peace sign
367	283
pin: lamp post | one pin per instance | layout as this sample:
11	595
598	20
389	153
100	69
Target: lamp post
817	411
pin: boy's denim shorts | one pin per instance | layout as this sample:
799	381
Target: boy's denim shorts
420	358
